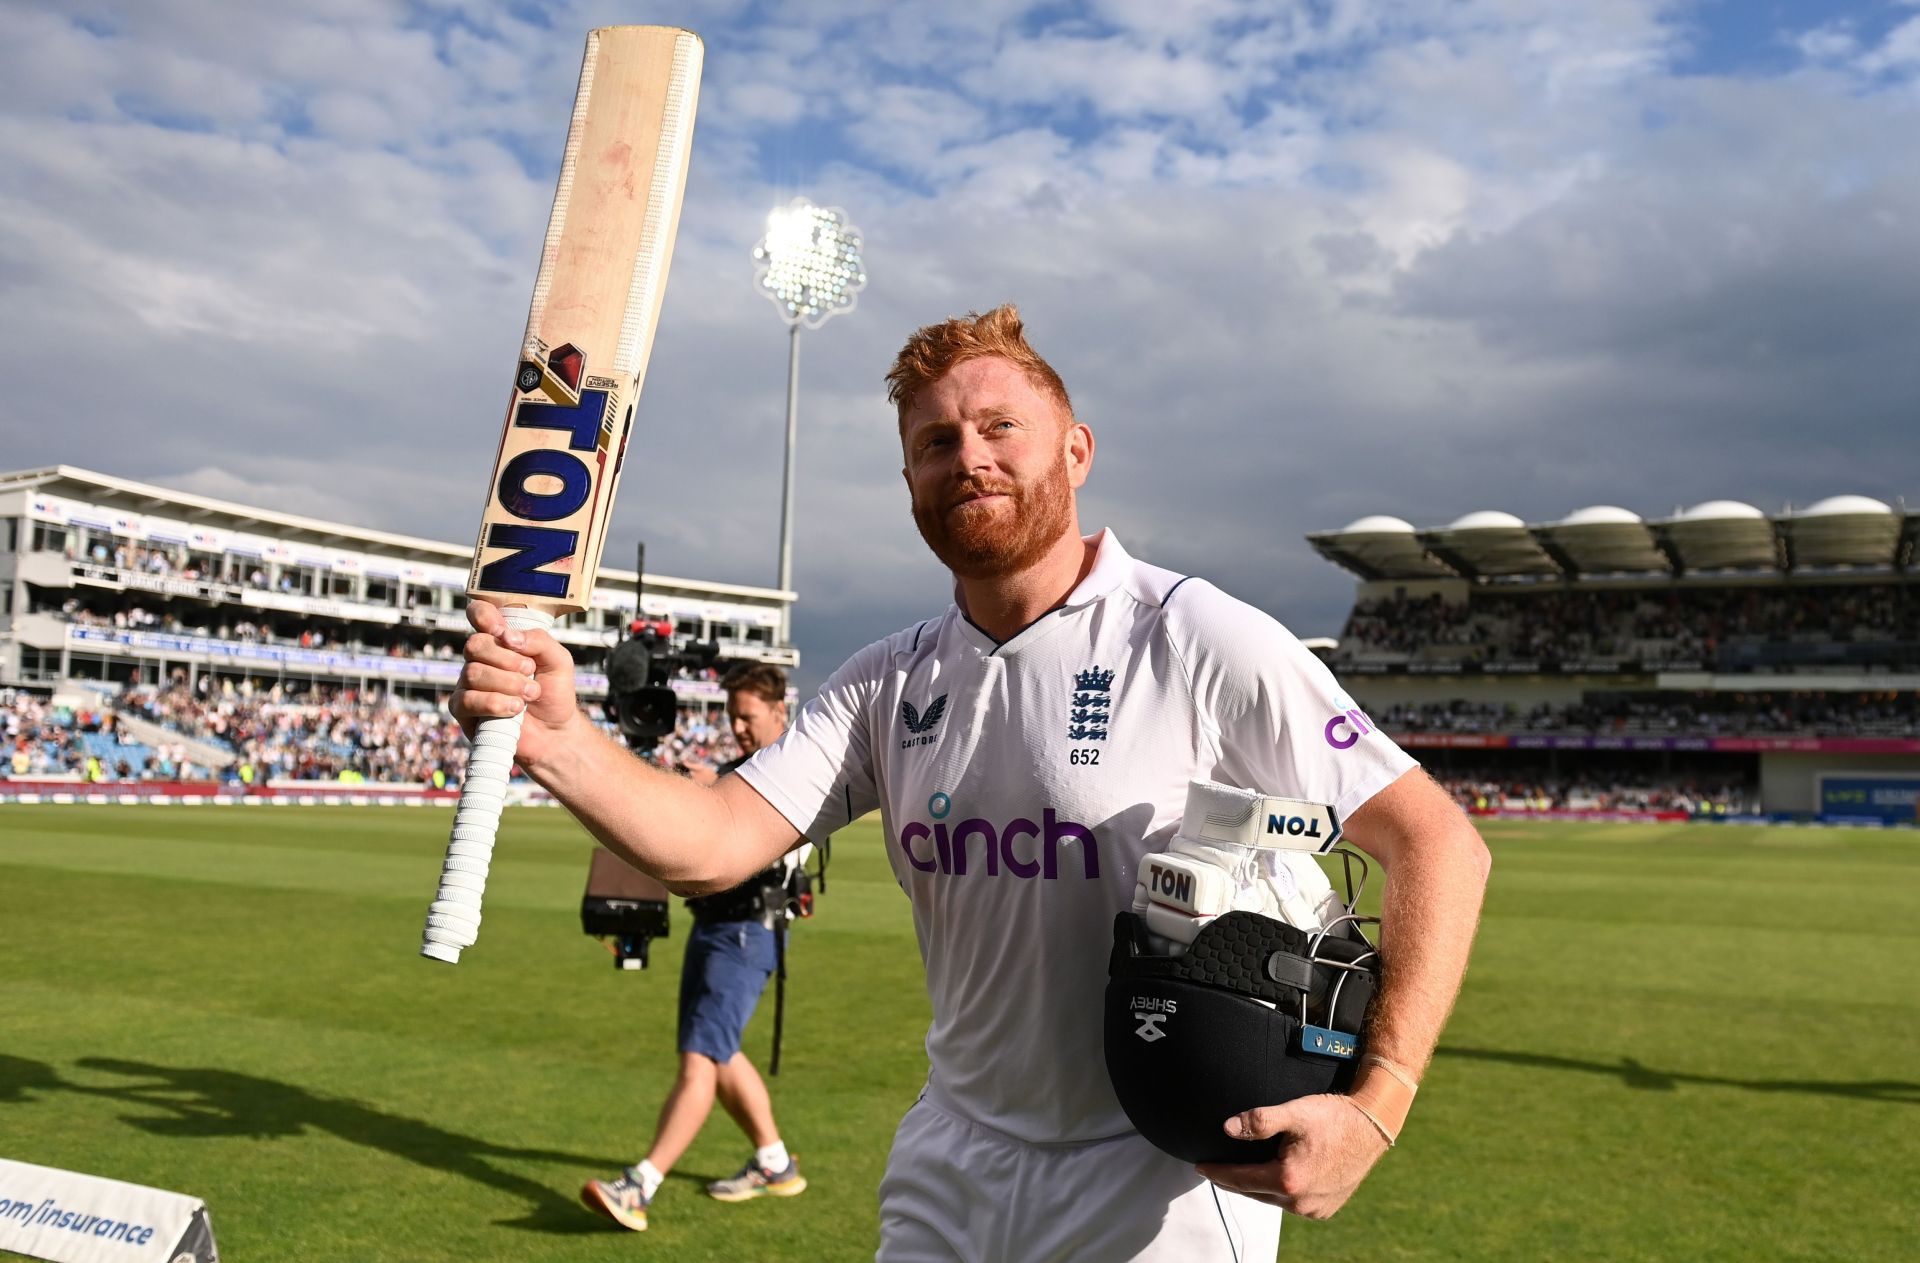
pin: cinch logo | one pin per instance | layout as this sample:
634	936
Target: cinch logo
1344	730
1023	848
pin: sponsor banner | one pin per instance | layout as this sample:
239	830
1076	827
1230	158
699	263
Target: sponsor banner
208	539
205	590
325	661
1869	745
1819	745
1768	745
248	545
224	793
1571	813
431	670
1449	740
44	508
72	1218
346	611
136	580
1716	745
1517	666
1878	799
71	784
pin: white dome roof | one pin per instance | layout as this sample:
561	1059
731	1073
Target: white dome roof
1379	524
1488	520
1601	515
1719	511
1846	506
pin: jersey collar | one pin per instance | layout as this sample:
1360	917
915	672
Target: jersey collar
1111	566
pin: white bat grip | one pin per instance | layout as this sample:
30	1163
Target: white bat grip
453	920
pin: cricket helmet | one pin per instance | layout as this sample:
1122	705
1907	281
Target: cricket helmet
1255	1012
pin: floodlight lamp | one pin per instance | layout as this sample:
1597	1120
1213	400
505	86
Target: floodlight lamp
809	263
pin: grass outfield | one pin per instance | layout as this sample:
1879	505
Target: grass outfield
1677	1042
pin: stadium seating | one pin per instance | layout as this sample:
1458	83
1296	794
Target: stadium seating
1817	714
316	734
1740	627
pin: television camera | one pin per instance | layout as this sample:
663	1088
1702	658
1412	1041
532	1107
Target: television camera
623	905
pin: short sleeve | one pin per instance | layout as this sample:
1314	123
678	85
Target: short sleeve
819	774
1282	722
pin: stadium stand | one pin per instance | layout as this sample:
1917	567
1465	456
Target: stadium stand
1719	661
324	734
1722	628
1881	714
149	635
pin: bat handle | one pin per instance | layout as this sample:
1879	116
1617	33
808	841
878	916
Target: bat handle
453	920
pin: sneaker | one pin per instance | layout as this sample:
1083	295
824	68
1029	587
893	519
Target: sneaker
755	1180
621	1200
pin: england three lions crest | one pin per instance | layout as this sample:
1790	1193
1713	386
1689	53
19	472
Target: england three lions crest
1092	705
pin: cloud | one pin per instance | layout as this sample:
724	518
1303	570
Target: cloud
1298	262
1898	52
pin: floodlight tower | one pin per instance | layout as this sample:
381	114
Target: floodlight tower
809	265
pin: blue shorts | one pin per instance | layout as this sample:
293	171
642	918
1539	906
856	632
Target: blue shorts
725	969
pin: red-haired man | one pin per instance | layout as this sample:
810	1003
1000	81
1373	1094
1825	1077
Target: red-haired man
1026	748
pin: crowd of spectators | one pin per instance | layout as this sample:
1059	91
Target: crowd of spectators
356	736
319	734
1677	624
165	562
1847	714
40	739
268	732
699	739
1491	788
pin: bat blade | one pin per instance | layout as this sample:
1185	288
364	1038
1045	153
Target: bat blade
603	273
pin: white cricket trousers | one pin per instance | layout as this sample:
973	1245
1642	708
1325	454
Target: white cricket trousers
959	1192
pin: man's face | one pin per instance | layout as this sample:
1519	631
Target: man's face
992	464
756	722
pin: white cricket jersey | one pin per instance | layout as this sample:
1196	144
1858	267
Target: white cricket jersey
1020	783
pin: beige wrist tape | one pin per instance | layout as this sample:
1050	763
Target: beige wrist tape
1383	1091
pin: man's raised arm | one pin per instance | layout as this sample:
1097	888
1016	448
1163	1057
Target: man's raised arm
695	839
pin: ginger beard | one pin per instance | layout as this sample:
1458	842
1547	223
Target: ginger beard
987	539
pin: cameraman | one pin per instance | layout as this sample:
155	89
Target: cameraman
730	955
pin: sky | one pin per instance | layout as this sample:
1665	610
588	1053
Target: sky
1298	262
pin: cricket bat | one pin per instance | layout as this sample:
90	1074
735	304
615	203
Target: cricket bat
603	271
